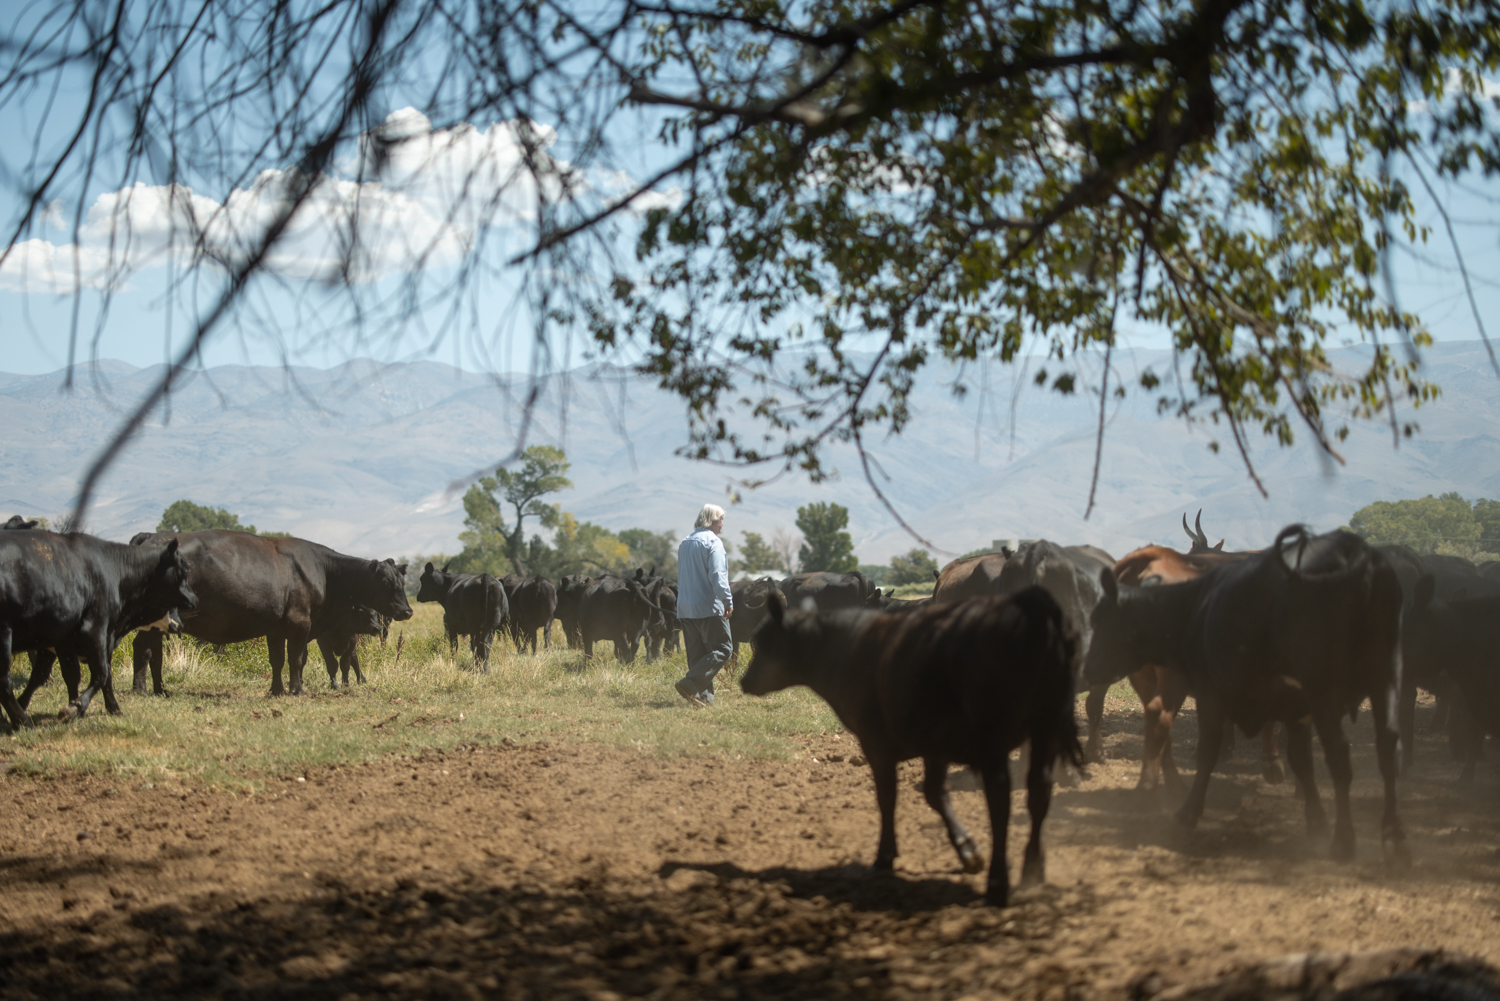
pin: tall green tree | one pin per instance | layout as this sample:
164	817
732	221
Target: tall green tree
915	567
825	544
186	516
495	539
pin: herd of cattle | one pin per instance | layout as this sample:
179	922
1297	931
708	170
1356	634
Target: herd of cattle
1301	633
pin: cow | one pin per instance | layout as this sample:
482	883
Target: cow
16	523
533	604
661	635
616	609
963	682
1303	631
338	640
751	599
1453	578
969	577
281	588
42	662
474	605
79	595
1459	635
569	596
1161	692
1071	575
828	590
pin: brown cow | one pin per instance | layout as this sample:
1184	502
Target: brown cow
969	577
1161	691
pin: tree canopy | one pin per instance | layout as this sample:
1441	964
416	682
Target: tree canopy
490	536
825	545
915	567
857	188
1447	524
187	516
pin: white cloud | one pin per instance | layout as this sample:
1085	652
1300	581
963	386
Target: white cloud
412	197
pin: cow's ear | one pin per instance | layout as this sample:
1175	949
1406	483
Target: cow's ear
428	568
1108	583
775	606
391	561
936	575
171	547
446	566
401	569
1426	588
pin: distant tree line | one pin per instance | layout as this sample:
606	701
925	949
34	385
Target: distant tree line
188	516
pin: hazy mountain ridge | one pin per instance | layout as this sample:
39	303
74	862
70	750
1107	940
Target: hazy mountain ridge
359	457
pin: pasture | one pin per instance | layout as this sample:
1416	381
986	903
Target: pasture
561	830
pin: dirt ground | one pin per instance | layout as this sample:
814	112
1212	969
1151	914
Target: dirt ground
580	871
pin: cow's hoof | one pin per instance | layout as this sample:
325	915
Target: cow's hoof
997	897
970	857
884	866
68	713
1186	818
1274	773
1032	875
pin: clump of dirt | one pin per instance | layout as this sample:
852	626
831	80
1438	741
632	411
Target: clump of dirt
583	871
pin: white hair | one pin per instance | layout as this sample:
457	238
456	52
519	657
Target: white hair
710	514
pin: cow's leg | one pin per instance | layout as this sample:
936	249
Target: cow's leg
140	663
296	660
1299	758
72	675
41	673
996	775
884	769
353	662
453	644
1093	709
99	670
1272	769
588	647
1147	689
18	717
330	661
1392	833
1336	754
158	652
276	652
935	788
546	636
482	651
1038	802
1406	708
1210	739
111	704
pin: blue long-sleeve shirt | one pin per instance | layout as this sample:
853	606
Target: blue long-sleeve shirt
702	576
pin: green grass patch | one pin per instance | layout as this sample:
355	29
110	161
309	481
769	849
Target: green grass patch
221	728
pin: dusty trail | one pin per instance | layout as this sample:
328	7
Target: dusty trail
584	871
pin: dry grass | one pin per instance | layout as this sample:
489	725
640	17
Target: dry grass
220	728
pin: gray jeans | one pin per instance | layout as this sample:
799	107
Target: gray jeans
709	647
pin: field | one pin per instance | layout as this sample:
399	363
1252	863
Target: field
560	830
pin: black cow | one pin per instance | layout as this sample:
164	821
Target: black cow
474	605
79	596
828	590
1459	636
281	588
338	640
751	605
1071	575
963	682
17	523
661	635
616	609
569	597
1307	629
533	605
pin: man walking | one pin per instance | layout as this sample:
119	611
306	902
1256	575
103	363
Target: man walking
704	605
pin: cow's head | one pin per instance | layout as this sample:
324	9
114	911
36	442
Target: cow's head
433	584
1113	643
785	644
386	589
168	586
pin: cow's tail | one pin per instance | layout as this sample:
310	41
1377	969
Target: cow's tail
1057	721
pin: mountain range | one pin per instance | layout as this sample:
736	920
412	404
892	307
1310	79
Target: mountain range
361	456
